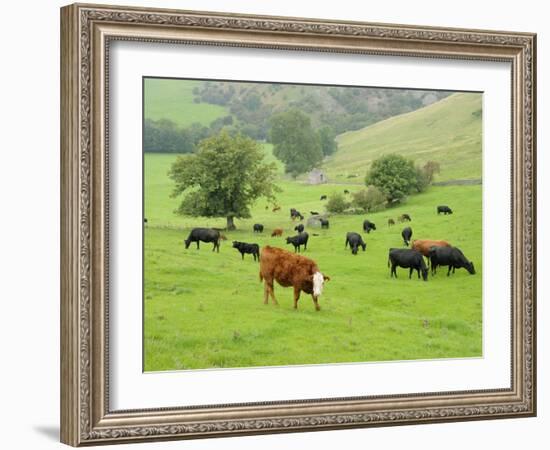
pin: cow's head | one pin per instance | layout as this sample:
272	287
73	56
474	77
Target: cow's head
318	280
470	268
424	273
364	246
187	242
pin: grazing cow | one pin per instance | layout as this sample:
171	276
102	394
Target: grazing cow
346	191
299	228
391	222
276	208
314	213
277	232
452	257
204	235
408	259
324	223
298	240
404	218
243	247
368	226
258	228
145	220
355	241
290	269
444	209
407	234
323	197
295	214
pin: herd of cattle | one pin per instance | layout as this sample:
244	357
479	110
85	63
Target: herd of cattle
292	269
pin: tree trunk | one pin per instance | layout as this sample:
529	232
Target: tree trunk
230	223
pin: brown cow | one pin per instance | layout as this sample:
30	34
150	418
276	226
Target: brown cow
276	208
391	222
423	246
277	232
289	269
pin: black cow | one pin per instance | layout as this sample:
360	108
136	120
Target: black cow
145	220
452	257
355	241
299	228
204	235
444	209
294	214
298	240
258	228
346	191
324	223
408	259
323	197
243	247
404	218
314	213
407	234
368	226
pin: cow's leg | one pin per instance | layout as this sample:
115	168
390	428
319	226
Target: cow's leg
418	273
449	271
197	245
272	293
242	256
393	270
316	303
266	292
410	272
296	296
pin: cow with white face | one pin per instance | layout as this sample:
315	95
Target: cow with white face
290	269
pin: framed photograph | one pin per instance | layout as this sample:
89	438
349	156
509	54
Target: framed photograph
276	224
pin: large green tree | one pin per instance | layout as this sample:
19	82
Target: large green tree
327	138
395	176
295	142
223	178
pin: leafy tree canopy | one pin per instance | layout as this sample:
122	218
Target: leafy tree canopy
295	142
223	178
395	176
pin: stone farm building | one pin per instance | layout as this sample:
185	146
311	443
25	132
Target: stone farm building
317	176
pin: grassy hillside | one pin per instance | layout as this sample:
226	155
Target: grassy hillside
448	132
205	310
173	100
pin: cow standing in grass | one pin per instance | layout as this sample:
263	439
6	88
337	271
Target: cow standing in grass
298	240
355	241
408	259
452	257
444	209
258	228
244	247
289	269
407	234
368	226
204	235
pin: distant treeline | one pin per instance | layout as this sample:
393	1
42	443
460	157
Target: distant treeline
164	136
252	106
340	108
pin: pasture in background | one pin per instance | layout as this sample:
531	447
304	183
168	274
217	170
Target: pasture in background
204	309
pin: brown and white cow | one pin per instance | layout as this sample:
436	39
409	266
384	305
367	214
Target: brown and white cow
289	269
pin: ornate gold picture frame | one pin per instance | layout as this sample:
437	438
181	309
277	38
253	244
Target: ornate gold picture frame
87	32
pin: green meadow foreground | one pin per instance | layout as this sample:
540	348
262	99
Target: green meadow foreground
205	310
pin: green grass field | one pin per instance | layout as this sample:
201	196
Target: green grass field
448	131
205	309
173	100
